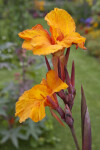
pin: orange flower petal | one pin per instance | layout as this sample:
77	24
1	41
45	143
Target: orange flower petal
35	36
77	39
27	45
54	82
73	38
38	111
60	22
29	99
39	92
32	101
44	82
38	40
62	28
42	44
27	34
24	106
46	49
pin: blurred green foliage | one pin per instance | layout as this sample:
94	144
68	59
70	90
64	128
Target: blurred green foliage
96	7
94	47
14	18
7	55
93	43
96	13
77	10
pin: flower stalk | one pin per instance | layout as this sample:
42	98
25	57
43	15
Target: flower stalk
74	137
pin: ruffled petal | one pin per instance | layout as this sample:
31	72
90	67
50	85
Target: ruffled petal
54	82
44	82
29	108
29	33
30	100
46	49
60	22
38	111
24	106
73	38
39	41
39	92
27	45
26	34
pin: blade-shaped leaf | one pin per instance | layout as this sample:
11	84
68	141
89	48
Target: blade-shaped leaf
86	126
87	132
14	140
33	130
83	109
4	139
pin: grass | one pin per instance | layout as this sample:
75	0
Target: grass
87	71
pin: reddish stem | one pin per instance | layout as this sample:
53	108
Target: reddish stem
73	75
67	55
47	63
74	137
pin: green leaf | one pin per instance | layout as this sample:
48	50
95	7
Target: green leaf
4	139
33	130
7	45
14	140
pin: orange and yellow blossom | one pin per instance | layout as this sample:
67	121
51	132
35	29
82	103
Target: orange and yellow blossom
63	35
33	102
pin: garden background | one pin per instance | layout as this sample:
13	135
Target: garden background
20	70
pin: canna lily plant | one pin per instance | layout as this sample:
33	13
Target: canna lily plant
58	83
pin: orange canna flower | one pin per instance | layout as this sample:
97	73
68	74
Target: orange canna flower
33	102
63	35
